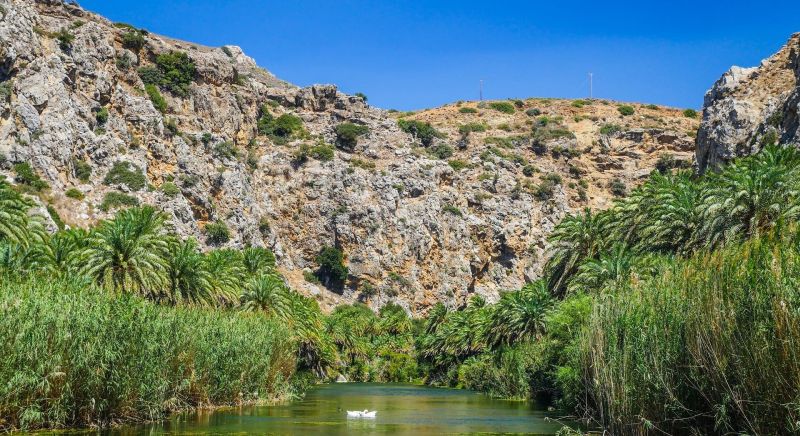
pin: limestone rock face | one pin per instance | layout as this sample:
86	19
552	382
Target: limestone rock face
750	107
467	215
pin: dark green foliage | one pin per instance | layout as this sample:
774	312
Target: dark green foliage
690	113
158	100
618	188
422	131
280	129
503	106
174	71
226	150
217	232
457	164
82	170
533	112
626	110
101	115
441	151
609	129
25	175
332	270
347	135
114	200
449	208
466	129
665	163
55	217
362	96
133	40
126	173
74	193
321	152
170	189
468	110
65	39
6	91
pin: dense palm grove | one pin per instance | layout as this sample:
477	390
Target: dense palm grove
675	309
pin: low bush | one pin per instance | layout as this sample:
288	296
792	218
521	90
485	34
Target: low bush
101	115
468	110
170	189
466	129
133	40
503	106
217	232
115	200
441	151
690	113
158	100
82	170
626	110
74	193
422	131
126	173
347	135
25	175
332	271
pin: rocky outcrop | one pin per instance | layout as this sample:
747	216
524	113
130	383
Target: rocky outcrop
750	107
467	215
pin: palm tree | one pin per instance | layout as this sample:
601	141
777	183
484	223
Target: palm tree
350	328
257	260
749	196
672	216
129	253
227	273
14	219
576	238
64	251
394	320
188	279
267	293
436	316
520	315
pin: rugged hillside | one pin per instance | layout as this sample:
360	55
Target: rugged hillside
108	115
750	107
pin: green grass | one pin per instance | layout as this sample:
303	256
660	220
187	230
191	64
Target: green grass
74	356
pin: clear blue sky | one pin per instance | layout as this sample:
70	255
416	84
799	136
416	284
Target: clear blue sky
417	54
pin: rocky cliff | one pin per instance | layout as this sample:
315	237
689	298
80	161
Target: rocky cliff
750	107
109	115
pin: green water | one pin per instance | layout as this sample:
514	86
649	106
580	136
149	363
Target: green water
402	409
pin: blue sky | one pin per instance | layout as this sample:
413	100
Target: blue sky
416	54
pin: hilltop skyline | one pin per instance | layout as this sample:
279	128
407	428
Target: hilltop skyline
437	52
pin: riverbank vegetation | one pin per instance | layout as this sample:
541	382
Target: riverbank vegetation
676	310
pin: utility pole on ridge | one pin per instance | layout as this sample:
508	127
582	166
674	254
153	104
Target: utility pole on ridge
590	86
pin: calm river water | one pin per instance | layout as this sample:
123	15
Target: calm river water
402	409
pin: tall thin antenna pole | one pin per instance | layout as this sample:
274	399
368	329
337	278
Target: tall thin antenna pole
481	89
590	86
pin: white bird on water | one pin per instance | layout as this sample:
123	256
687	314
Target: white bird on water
361	413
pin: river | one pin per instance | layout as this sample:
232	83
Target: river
402	409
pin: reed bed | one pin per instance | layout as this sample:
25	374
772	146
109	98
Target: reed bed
74	356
